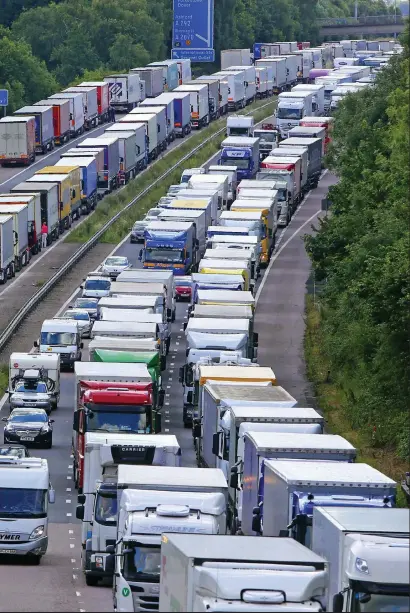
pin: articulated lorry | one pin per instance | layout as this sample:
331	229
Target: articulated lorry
368	555
315	149
171	246
124	91
140	153
32	201
292	107
120	397
136	275
20	236
44	127
162	499
49	204
90	104
218	94
227	573
235	85
200	112
61	118
162	127
97	505
89	179
149	121
242	152
237	125
162	102
152	78
108	177
102	98
17	140
7	264
197	217
77	119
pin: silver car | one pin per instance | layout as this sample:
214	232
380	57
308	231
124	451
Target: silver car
82	318
137	231
87	304
114	265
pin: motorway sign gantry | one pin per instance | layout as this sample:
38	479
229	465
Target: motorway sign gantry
193	30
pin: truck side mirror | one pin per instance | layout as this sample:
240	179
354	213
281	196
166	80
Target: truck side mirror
185	325
79	512
234	479
181	374
161	397
255	339
163	362
76	421
256	520
110	562
169	314
158	423
51	495
189	397
197	431
338	603
81	345
81	498
215	443
35	344
140	255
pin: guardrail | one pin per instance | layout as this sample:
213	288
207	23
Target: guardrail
38	296
375	20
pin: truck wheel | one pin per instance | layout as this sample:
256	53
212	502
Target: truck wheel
91	581
3	277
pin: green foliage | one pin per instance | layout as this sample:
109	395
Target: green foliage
25	76
362	252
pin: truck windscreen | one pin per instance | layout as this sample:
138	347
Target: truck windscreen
286	113
117	418
24	503
238	162
164	255
238	131
143	562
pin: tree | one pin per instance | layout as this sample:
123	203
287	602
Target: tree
124	54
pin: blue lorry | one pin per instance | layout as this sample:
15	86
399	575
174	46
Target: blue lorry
170	245
242	152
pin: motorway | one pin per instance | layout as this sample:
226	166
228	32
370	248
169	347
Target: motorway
58	583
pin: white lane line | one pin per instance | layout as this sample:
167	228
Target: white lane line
72	545
78	594
167	404
275	257
71	532
68	489
166	429
70	466
69	515
69	477
73	560
68	501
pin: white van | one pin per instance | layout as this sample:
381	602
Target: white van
61	336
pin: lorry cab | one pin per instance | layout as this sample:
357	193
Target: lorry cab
96	285
268	209
62	337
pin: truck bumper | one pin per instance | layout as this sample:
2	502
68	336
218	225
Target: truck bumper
37	547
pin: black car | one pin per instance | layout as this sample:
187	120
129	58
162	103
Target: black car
14	450
29	426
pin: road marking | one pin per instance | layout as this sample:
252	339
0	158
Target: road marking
68	489
71	532
69	515
177	343
70	466
167	403
170	370
72	545
166	429
78	594
172	363
68	501
275	257
69	477
73	560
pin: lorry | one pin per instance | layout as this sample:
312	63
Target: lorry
118	397
232	174
318	91
120	130
7	265
252	221
368	555
153	79
292	107
331	82
149	120
103	103
170	74
215	182
181	103
278	68
19	213
292	66
184	71
226	266
61	118
262	82
320	122
262	50
26	492
215	281
199	218
34	216
314	147
162	499
234	57
221	92
77	119
200	112
107	178
268	206
238	243
241	152
213	96
236	89
128	148
98	503
44	127
73	174
183	205
250	81
61	337
49	204
309	132
167	104
173	246
124	91
96	152
90	104
224	573
236	125
163	131
268	140
290	489
136	275
89	178
287	169
297	152
17	140
34	380
224	298
122	356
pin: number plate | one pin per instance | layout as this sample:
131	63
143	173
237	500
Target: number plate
27	438
7	551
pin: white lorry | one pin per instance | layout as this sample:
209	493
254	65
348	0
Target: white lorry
162	499
124	91
236	89
233	57
34	380
136	275
232	173
247	574
25	493
236	125
97	508
221	183
318	91
199	103
368	555
292	107
7	265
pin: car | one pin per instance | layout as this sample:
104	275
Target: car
96	286
29	426
138	231
14	450
114	265
87	304
82	318
154	212
31	392
188	172
183	288
174	189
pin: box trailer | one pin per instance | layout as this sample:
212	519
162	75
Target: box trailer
236	89
17	140
168	106
90	104
107	178
49	203
124	91
7	267
153	79
235	57
162	125
61	119
44	129
223	92
89	179
149	121
170	74
182	111
141	150
199	104
77	119
102	98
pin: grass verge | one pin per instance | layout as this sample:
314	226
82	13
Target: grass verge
114	203
332	401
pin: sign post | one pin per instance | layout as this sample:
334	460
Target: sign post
193	30
4	99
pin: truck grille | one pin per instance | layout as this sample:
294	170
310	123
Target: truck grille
146	603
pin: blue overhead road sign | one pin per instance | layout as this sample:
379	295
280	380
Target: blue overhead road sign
193	30
4	97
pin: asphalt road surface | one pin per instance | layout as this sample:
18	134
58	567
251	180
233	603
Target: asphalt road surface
58	584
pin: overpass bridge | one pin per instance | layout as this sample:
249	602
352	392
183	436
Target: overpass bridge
379	25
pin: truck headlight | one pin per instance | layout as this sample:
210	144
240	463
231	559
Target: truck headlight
37	532
362	566
73	355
